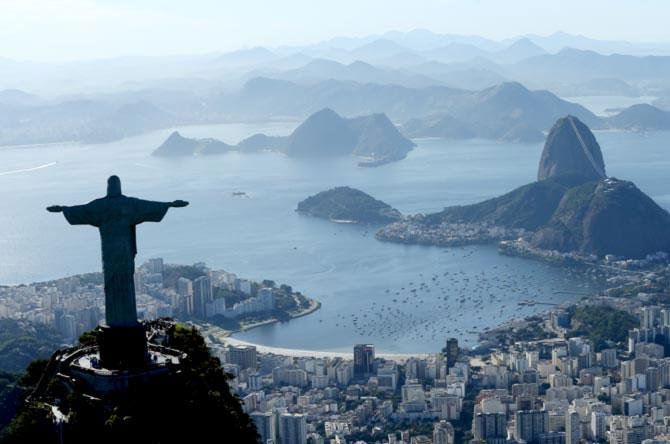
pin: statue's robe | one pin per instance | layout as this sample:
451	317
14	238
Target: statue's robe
116	218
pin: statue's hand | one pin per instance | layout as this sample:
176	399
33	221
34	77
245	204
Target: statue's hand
55	209
179	204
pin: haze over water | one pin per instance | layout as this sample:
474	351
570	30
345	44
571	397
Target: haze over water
262	237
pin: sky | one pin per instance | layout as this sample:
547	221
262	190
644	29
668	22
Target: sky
90	29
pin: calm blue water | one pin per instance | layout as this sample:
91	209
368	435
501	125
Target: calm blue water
262	237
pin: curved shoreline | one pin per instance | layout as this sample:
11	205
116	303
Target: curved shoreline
223	338
314	305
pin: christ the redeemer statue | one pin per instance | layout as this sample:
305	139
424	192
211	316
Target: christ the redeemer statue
116	216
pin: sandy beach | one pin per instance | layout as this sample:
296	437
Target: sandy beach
221	336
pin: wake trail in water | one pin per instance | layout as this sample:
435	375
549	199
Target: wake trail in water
26	170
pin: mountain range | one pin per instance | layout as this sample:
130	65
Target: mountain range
508	111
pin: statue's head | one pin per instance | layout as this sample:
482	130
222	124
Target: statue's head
113	186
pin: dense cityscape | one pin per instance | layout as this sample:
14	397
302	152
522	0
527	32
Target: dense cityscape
75	305
551	379
557	390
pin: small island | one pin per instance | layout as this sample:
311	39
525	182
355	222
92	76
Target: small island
348	205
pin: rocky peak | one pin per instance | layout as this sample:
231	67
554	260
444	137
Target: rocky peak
571	148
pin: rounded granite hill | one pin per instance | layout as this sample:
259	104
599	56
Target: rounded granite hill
607	217
571	148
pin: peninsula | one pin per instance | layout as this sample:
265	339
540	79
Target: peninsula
573	209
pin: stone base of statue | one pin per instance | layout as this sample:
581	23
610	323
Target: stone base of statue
123	347
138	365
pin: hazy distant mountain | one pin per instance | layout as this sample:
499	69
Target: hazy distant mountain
596	87
387	52
578	66
52	122
292	61
177	145
480	67
377	50
378	138
405	59
129	120
641	117
571	148
468	78
446	127
345	204
517	51
461	52
113	74
663	100
507	112
454	52
358	71
265	98
417	40
260	142
559	40
252	56
323	134
15	97
423	40
515	103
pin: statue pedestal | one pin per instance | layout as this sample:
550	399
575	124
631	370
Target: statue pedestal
123	347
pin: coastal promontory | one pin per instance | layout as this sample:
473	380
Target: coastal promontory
610	216
573	208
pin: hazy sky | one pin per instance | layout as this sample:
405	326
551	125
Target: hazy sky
73	29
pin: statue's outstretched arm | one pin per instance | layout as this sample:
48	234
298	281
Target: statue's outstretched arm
56	208
152	211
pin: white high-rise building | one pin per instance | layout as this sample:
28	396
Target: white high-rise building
184	286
